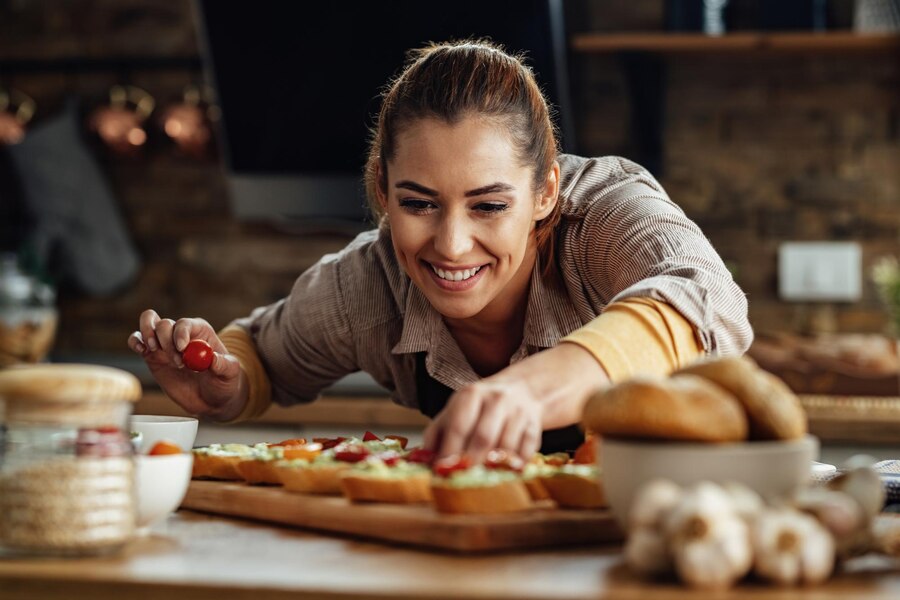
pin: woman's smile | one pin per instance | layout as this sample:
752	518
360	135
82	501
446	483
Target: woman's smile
458	279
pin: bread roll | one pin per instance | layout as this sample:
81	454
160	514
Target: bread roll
774	411
688	407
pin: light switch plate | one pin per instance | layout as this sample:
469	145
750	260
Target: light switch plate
820	271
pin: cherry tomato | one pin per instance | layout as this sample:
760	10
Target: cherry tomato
370	437
445	466
197	355
403	441
164	447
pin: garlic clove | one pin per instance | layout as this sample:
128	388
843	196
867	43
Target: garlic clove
653	501
864	485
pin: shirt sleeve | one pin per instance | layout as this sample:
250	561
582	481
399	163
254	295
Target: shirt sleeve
638	336
259	397
303	342
634	242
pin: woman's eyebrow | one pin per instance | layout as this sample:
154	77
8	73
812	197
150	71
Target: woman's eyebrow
490	189
486	189
415	187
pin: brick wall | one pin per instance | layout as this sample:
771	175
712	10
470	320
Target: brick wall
758	150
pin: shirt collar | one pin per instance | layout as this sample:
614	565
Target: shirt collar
549	316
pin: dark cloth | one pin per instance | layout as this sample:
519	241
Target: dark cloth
78	232
433	396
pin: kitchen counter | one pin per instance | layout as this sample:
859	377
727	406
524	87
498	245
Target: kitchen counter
197	556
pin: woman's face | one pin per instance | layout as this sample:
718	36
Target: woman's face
462	212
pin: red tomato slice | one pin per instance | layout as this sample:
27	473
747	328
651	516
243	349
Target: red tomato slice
351	454
421	456
586	454
445	466
370	437
328	443
197	355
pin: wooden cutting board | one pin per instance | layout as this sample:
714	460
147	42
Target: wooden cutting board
415	525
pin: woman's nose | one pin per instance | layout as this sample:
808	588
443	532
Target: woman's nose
453	240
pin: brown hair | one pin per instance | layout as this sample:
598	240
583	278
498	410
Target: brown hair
452	80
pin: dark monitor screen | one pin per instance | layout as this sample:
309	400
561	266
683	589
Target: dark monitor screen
299	84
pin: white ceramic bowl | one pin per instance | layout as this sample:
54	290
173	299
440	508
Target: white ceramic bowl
153	428
771	468
161	482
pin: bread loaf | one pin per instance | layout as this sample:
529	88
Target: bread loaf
688	407
773	410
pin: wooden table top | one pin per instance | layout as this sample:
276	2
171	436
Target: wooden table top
196	556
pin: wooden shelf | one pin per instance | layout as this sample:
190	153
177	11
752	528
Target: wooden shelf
686	43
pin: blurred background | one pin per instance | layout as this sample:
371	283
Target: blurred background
150	154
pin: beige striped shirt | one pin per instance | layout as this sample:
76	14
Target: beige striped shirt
620	237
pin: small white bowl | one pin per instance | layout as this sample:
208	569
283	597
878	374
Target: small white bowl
154	428
160	482
772	468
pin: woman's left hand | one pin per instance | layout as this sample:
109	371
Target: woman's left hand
486	415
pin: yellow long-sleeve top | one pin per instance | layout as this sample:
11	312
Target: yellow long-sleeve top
637	336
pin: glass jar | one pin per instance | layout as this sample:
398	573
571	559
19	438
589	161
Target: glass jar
28	315
66	464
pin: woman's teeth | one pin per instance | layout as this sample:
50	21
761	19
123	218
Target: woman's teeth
456	275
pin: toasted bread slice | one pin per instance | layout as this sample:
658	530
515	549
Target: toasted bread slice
572	490
210	466
504	497
258	471
311	479
359	487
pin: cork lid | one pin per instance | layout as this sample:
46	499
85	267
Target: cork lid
68	383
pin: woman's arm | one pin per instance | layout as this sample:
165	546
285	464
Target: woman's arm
548	390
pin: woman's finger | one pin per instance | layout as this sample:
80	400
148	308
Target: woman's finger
164	336
464	407
485	435
136	343
511	437
225	366
188	329
531	440
147	325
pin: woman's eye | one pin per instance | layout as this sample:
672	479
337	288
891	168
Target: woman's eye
491	207
416	205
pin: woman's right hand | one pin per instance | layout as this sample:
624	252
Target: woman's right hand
219	392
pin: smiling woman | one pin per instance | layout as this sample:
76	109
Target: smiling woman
505	282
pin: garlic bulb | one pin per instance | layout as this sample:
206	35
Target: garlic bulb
862	483
791	547
653	501
647	552
747	503
709	541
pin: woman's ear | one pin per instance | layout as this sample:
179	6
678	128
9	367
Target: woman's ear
549	195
